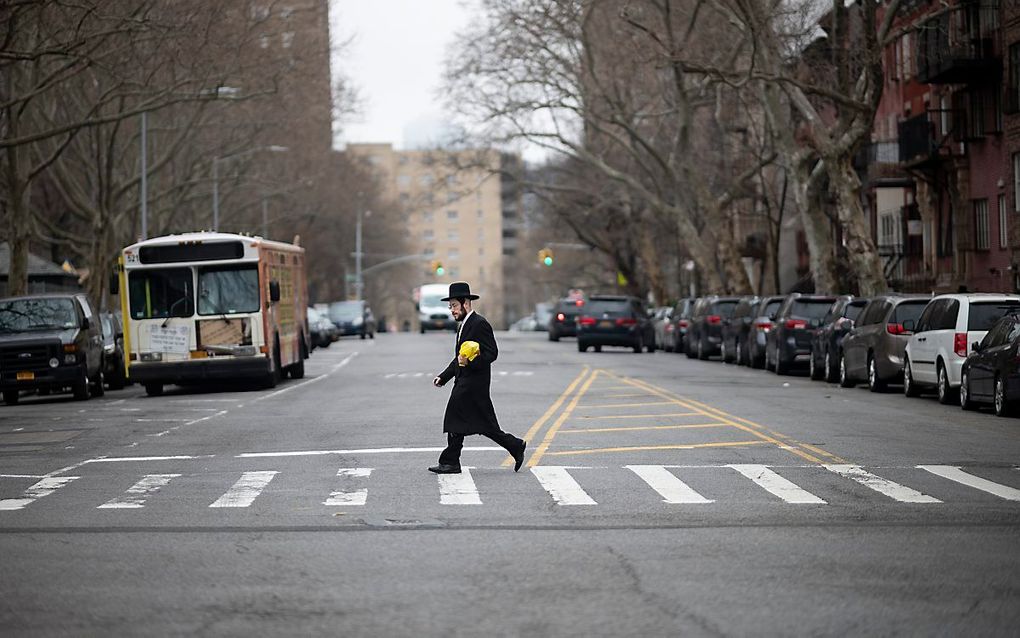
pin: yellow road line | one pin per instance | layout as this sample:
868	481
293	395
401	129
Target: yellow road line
649	427
644	448
537	455
623	405
537	425
626	396
819	450
642	416
644	385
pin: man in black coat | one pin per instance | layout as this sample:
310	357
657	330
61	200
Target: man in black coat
470	409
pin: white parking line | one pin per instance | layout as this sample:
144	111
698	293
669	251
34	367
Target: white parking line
954	473
458	489
777	485
43	488
382	450
137	494
672	489
893	490
245	490
561	485
351	497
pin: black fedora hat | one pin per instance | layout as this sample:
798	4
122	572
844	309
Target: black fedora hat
460	290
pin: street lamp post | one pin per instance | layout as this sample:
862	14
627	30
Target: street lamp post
216	178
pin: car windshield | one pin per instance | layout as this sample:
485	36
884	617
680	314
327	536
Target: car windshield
771	308
432	301
983	315
228	289
607	306
161	293
810	308
23	315
345	310
908	311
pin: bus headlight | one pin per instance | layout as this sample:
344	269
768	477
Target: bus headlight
152	356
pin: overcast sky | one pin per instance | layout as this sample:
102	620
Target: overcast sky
395	61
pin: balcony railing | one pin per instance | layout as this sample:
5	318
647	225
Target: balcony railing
962	45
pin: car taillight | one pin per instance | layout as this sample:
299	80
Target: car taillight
560	317
763	323
669	327
626	321
683	323
796	324
714	320
580	302
960	344
895	328
586	321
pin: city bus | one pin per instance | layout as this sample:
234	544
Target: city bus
207	306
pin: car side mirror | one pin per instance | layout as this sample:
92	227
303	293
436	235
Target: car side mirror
274	291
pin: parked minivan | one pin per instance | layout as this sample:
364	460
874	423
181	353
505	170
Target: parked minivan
873	350
943	336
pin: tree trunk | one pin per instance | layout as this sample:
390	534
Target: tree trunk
19	230
817	228
862	255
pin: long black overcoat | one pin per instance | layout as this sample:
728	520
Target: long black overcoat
470	408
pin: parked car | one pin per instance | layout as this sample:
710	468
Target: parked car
661	325
614	320
788	343
323	332
352	318
50	342
736	328
942	339
828	338
752	350
680	319
873	349
563	319
704	336
113	351
991	373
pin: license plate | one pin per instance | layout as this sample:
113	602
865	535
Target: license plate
26	376
605	324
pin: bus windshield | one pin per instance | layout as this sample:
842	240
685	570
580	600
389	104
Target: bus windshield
161	293
228	289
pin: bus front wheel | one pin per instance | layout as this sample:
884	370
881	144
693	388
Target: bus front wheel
154	389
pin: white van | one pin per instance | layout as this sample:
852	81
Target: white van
943	337
434	314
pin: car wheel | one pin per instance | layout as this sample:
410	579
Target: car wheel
1003	407
598	348
701	350
875	382
362	335
689	349
639	346
80	388
910	389
782	369
582	347
945	392
553	336
740	353
99	387
11	397
154	389
844	375
831	374
815	370
965	401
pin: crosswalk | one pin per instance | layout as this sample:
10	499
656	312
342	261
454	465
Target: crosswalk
562	484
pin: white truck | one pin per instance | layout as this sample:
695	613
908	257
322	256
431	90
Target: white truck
434	314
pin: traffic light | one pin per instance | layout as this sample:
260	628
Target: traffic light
437	267
545	257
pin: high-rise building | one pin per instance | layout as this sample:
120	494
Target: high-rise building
460	215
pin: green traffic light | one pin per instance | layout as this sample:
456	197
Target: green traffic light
547	261
440	271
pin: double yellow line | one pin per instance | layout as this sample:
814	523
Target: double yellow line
584	380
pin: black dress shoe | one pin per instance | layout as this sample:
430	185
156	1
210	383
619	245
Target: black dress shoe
519	457
442	468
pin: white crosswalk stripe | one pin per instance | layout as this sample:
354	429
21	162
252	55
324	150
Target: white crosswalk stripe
458	489
246	490
672	489
955	473
893	490
777	485
44	487
138	493
351	497
561	485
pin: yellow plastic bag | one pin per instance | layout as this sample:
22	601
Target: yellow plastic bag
469	350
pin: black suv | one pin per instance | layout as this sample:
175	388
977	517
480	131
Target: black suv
50	342
704	337
563	319
613	320
827	342
789	342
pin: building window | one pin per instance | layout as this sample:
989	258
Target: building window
1013	88
429	251
403	180
428	215
453	253
1016	182
427	235
481	234
451	197
481	251
976	122
981	240
452	235
480	213
1003	223
451	214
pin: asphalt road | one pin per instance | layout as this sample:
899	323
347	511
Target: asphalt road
661	496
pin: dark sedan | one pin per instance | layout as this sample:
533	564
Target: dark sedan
828	339
789	342
681	322
991	374
704	337
563	320
612	320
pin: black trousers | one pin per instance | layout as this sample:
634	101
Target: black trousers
455	443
